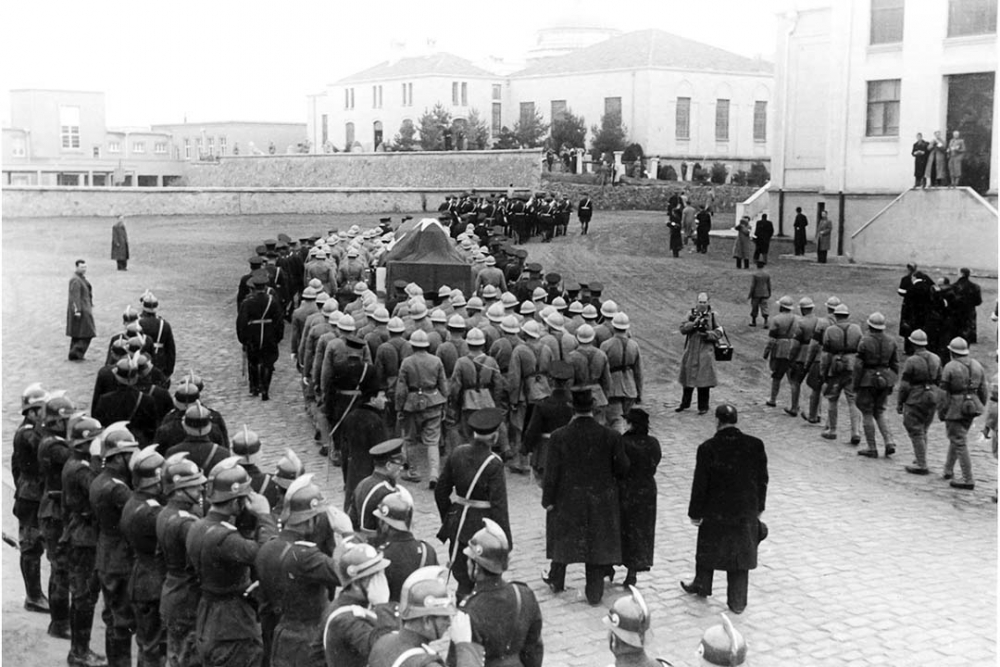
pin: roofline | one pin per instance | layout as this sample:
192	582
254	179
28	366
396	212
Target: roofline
660	68
344	81
231	122
56	90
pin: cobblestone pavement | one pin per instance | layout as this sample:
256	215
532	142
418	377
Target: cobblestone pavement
864	565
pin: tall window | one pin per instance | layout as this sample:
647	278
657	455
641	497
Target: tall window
211	146
527	112
114	147
139	147
558	109
222	146
376	97
69	126
96	151
887	21
613	105
409	94
495	120
722	120
187	149
349	134
465	94
496	91
348	98
883	108
454	93
160	148
682	123
760	121
972	17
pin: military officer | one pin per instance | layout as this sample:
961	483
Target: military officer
490	275
259	328
296	579
591	371
876	369
171	429
361	614
183	485
426	612
348	376
197	427
625	369
803	337
306	307
475	381
603	331
420	397
505	616
129	315
782	345
476	475
964	381
105	381
917	397
159	331
108	494
53	452
585	211
138	525
127	403
28	493
840	347
813	369
387	457
405	553
246	445
388	358
227	629
243	291
81	542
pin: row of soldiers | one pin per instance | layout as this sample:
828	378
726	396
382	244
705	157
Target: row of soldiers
520	217
835	357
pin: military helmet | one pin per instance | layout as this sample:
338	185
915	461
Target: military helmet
180	473
589	312
532	329
959	346
489	547
149	301
495	313
309	294
197	420
438	316
116	440
621	321
185	394
841	309
246	444
876	321
425	593
329	306
146	465
510	324
474	303
357	561
918	337
396	325
508	300
360	288
628	618
127	370
418	310
346	323
527	308
805	303
609	308
556	321
396	509
58	410
786	303
456	322
380	314
575	307
82	431
539	294
559	303
130	314
475	337
33	396
585	334
303	501
322	298
491	292
833	302
723	645
419	340
457	298
289	468
228	480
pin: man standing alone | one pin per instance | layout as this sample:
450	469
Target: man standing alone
727	498
80	313
119	243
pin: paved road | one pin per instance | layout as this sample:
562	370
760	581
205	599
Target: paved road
864	565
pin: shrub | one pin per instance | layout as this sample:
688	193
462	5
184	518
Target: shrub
718	174
759	175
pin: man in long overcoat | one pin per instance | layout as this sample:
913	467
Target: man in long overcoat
580	494
119	243
80	313
701	331
762	233
824	232
727	498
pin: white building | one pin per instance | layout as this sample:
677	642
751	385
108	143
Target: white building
856	80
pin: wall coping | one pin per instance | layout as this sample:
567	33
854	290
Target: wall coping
393	154
219	189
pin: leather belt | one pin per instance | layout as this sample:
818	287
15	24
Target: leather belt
473	504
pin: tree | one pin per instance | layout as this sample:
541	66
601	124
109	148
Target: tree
432	125
405	140
505	141
529	133
609	137
568	130
718	173
477	132
759	175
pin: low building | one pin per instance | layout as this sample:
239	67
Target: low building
206	141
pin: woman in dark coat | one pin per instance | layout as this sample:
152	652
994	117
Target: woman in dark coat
637	495
119	244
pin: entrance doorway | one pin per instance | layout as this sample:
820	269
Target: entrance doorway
970	111
378	134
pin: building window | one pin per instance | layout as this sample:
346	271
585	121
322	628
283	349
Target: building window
722	120
138	147
883	108
558	110
886	21
465	94
349	135
160	148
114	147
376	97
613	105
495	121
222	146
527	112
682	123
404	95
454	93
760	121
211	146
69	126
972	17
348	98
187	149
325	131
496	91
19	147
96	151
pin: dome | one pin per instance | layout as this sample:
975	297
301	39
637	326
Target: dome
577	25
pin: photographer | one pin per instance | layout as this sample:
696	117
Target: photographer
701	331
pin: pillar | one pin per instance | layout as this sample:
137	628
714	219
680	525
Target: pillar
578	158
135	179
654	165
159	180
619	168
90	178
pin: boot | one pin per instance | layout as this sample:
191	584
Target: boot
254	377
80	654
265	382
775	388
31	572
796	390
119	648
59	626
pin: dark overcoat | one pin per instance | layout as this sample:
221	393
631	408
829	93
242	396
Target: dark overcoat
119	241
728	494
585	462
637	496
81	300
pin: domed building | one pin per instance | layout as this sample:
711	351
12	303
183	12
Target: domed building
565	34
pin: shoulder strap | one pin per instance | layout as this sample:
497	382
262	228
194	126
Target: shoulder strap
138	402
340	611
517	598
410	653
479	473
211	453
423	554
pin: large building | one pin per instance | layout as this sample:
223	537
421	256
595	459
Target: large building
856	80
679	99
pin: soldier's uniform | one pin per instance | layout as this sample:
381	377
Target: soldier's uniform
591	370
53	452
840	347
367	496
876	369
814	357
549	414
244	289
420	397
126	403
782	345
353	625
29	488
490	275
527	382
625	369
917	397
171	429
319	269
478	373
487	498
803	338
162	336
406	554
388	358
299	316
138	525
964	381
200	449
259	328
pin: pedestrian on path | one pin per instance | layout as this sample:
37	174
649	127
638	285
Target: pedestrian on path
917	398
760	293
741	246
964	382
728	496
637	495
119	243
702	332
800	225
80	313
876	369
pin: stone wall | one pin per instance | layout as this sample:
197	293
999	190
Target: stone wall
651	197
452	170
